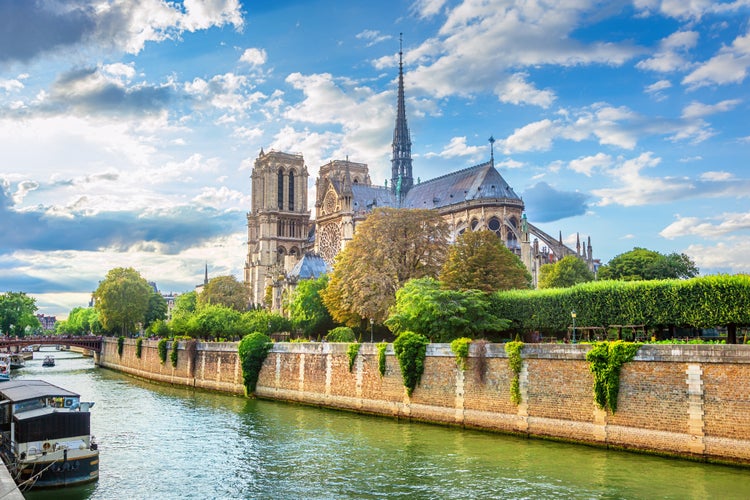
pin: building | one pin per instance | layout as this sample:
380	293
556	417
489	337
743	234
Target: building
280	230
47	322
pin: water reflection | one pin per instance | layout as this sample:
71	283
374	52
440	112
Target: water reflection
169	442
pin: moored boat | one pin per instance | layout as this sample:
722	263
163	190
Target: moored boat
14	360
46	436
4	370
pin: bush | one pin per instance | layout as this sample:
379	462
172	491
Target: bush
381	358
460	347
173	354
138	347
162	348
252	350
352	351
411	349
120	345
341	334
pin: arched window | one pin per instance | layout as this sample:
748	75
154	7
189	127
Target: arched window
474	224
291	191
494	225
282	253
281	190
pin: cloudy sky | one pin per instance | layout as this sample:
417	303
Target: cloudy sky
128	128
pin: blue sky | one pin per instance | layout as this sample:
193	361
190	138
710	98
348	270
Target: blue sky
128	129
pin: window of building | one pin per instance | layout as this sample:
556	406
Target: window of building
291	191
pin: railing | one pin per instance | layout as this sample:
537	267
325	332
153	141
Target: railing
90	342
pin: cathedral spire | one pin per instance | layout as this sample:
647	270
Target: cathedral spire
401	173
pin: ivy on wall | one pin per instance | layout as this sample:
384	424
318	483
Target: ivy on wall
460	347
138	347
411	349
352	351
515	362
382	346
162	348
605	362
252	350
173	354
120	344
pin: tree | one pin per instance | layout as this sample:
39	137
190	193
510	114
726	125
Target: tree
81	321
157	309
17	311
422	306
306	309
643	264
389	248
479	261
568	271
122	299
225	291
214	321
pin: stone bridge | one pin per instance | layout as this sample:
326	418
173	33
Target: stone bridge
91	342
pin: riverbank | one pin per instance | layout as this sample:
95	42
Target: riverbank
690	401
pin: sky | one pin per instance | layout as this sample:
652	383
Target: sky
129	128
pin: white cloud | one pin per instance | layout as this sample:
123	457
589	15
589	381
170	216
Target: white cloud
13	85
670	56
428	8
729	255
516	90
535	136
707	228
254	57
586	165
697	110
688	9
657	87
457	147
372	37
730	65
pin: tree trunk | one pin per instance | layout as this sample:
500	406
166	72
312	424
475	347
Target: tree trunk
731	333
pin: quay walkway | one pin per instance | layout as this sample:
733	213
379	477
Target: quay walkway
8	488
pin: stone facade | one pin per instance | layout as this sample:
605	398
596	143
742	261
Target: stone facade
691	400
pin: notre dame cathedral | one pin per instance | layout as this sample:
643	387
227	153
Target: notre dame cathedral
284	245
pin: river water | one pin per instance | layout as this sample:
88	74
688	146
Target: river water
161	442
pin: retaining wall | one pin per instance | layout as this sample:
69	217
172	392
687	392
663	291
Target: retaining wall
687	400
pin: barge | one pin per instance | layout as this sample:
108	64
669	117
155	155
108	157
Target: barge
45	436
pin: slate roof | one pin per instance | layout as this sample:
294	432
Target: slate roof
22	390
310	266
481	181
366	198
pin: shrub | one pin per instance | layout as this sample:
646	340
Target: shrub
353	350
252	350
460	347
341	334
162	348
138	347
411	349
120	344
173	354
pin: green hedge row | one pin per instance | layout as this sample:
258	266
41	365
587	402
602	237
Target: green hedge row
710	301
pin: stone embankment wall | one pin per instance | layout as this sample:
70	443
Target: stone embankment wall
687	400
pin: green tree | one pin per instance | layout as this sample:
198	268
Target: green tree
389	248
423	307
122	300
568	271
81	321
306	309
214	321
225	291
260	320
17	312
479	261
643	264
157	309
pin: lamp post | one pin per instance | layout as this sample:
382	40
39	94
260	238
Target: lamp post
372	323
573	315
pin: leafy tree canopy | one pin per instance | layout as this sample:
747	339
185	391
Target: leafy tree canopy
568	271
157	308
306	309
479	261
422	306
643	264
122	299
17	311
81	321
225	291
389	248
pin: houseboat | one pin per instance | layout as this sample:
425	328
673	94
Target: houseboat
45	436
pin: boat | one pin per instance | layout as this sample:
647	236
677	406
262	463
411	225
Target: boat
14	360
49	360
45	435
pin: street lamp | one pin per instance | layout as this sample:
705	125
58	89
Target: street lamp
573	315
372	322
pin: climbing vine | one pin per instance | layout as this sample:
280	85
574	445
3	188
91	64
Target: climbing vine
162	348
605	362
173	354
460	347
513	350
120	344
352	351
138	347
411	349
252	350
382	346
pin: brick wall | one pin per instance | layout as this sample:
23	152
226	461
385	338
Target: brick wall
687	400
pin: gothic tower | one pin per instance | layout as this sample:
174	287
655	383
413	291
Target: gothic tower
401	174
277	225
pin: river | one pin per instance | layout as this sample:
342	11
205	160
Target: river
161	442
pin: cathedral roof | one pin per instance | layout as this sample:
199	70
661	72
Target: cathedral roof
366	198
310	266
481	181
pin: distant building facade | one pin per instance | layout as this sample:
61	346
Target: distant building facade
48	322
280	231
